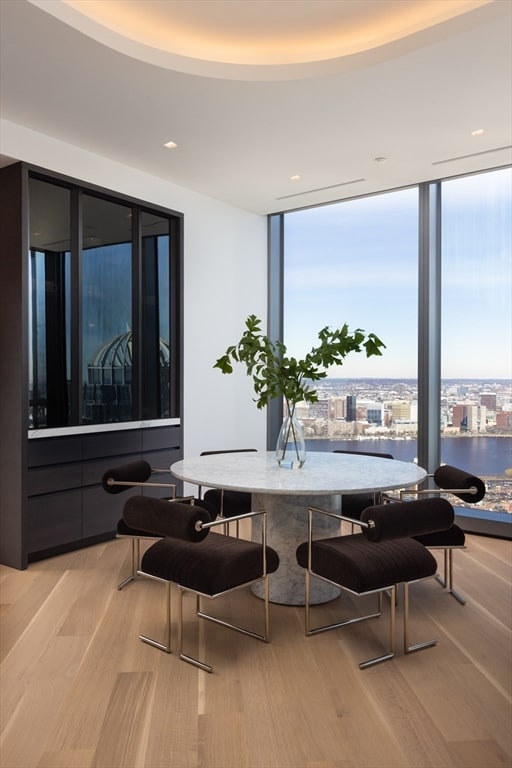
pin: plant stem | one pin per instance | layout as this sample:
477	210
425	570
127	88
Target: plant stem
291	427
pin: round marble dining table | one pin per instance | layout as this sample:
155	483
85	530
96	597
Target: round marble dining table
285	495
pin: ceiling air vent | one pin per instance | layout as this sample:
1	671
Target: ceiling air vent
473	154
320	189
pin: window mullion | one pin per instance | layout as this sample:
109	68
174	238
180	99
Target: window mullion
429	326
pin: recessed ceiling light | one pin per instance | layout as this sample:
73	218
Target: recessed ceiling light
170	145
295	178
478	132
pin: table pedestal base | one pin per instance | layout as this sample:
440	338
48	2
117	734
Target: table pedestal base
287	527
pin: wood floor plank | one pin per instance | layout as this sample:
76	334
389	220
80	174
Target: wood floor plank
46	682
69	759
172	739
125	720
479	754
21	597
80	690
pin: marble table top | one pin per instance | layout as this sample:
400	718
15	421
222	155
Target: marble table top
322	474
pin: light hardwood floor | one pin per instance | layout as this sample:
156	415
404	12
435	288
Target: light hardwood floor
79	689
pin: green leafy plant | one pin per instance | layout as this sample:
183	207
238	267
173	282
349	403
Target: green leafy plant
274	374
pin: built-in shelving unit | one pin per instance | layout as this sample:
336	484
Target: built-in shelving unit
51	497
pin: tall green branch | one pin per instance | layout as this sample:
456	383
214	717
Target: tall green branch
274	374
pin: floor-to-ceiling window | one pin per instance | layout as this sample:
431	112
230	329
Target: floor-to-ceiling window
476	330
357	261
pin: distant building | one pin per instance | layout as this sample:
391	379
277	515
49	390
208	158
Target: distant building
469	417
504	420
351	414
319	410
400	410
489	400
373	411
337	408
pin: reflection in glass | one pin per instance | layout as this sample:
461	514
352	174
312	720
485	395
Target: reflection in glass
49	305
102	292
155	317
106	311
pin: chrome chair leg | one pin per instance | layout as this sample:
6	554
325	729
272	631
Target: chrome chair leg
154	643
418	646
452	591
184	656
316	630
200	614
135	564
447	579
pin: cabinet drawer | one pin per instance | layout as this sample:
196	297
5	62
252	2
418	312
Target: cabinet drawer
161	438
116	443
54	450
51	479
54	520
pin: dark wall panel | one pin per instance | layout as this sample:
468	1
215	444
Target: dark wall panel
13	382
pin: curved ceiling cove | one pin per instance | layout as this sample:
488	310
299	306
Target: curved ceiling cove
254	39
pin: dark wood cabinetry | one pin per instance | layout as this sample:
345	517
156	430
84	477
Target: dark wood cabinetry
51	498
66	504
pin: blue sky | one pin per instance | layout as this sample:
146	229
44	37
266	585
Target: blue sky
356	262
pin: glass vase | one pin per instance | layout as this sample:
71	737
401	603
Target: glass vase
291	444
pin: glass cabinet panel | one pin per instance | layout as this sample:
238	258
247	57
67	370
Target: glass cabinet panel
107	324
49	305
156	358
104	276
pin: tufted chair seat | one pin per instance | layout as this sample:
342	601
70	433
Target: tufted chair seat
363	567
376	560
225	562
197	560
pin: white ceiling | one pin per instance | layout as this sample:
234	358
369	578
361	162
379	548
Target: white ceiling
378	79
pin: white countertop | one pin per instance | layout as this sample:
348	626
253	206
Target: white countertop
322	474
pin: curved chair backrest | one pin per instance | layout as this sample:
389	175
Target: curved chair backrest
120	478
228	503
229	450
164	518
456	481
405	519
369	453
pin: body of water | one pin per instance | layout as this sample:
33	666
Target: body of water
483	456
